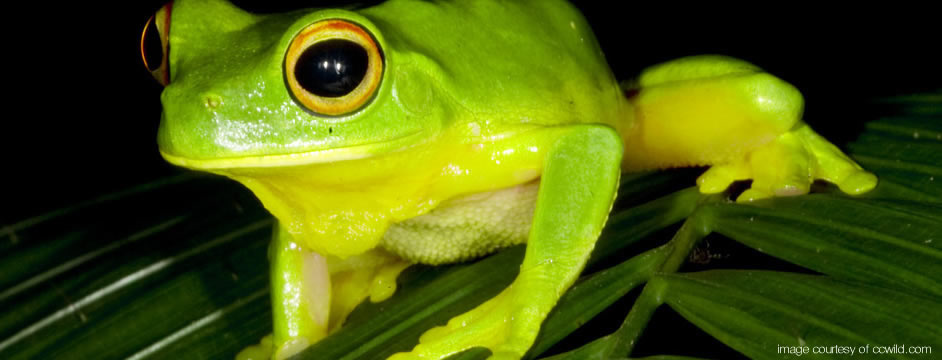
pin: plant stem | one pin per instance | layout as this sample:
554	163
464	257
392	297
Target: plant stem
680	245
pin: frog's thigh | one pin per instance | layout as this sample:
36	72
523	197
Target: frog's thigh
706	110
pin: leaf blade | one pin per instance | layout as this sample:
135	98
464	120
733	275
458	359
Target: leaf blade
756	311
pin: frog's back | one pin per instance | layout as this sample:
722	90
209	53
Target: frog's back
504	62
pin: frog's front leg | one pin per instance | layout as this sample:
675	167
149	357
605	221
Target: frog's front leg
577	188
313	294
744	122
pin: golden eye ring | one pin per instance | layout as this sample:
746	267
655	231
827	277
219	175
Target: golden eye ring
333	67
155	42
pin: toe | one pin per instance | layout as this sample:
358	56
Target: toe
404	356
752	195
858	182
434	334
834	166
719	177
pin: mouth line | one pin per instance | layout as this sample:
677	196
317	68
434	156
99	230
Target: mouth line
353	152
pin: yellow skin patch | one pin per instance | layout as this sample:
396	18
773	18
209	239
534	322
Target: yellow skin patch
344	208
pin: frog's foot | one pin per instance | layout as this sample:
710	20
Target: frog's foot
504	324
260	351
787	166
371	275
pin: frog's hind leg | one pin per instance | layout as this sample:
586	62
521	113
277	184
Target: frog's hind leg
737	118
313	294
705	110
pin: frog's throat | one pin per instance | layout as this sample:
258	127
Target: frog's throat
338	220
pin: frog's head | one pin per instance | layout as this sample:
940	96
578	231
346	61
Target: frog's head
310	109
248	91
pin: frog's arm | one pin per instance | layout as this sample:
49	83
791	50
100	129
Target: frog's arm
746	123
577	189
300	291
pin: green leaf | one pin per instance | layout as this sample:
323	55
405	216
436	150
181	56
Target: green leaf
861	239
593	294
758	312
99	281
906	152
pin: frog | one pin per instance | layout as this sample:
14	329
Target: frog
438	132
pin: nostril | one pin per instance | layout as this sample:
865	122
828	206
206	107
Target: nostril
212	101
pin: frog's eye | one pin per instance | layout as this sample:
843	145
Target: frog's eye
155	45
333	67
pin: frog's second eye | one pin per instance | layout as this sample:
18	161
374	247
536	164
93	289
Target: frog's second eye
333	67
155	45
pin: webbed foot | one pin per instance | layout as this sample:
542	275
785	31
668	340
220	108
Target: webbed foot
503	324
787	166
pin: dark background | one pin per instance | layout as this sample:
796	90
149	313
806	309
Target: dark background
84	113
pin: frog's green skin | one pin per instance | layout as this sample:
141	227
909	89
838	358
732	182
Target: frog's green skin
495	123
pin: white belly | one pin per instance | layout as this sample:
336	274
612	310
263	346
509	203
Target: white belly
466	227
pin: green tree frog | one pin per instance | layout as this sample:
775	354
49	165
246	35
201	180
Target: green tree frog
439	131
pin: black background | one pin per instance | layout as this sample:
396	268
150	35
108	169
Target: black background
82	112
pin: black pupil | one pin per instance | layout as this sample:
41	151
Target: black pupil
331	68
153	49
